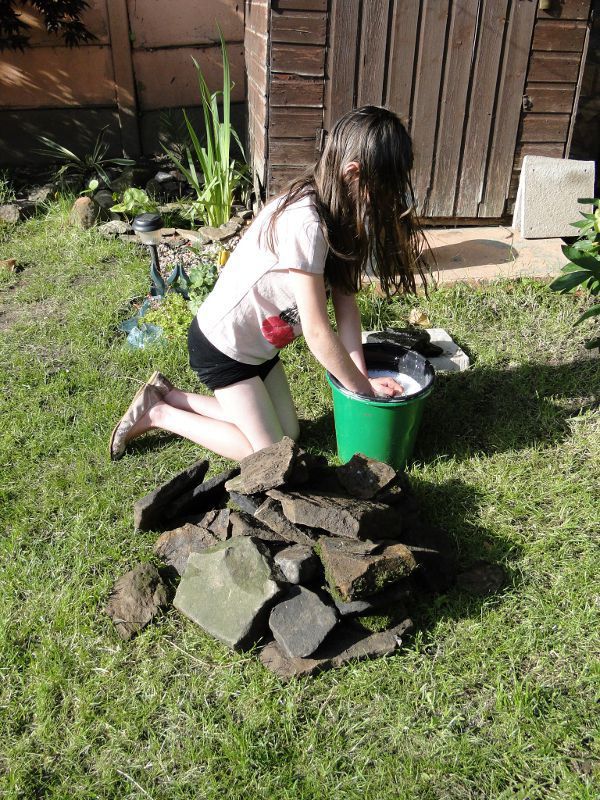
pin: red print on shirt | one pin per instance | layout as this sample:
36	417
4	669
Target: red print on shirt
279	331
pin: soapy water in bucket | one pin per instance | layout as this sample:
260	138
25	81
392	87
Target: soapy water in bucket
408	383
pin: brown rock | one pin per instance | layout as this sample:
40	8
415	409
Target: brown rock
363	477
83	212
350	643
200	498
217	522
268	468
270	514
136	598
358	569
174	547
341	516
149	511
243	524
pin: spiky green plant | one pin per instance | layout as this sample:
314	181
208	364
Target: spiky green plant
218	174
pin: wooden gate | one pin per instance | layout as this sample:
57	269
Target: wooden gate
454	70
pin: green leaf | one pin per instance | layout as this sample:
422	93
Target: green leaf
591	312
587	200
564	283
589	262
593	343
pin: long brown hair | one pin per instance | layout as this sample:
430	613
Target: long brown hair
372	223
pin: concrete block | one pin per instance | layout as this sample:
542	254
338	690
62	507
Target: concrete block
547	197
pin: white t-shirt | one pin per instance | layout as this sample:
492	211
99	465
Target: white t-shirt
251	313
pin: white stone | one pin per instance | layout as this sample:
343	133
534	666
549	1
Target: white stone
547	198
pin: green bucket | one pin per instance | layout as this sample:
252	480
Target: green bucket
382	428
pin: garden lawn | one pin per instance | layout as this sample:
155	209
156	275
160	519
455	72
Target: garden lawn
491	698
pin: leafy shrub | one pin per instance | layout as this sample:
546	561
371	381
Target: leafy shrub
201	281
7	193
220	174
134	202
583	268
172	314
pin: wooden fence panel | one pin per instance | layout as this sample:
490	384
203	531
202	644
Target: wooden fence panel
403	44
372	53
343	36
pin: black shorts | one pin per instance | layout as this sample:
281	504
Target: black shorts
214	368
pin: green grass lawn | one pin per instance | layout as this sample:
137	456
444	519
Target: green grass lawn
494	698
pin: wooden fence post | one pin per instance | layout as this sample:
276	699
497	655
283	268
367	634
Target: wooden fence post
120	46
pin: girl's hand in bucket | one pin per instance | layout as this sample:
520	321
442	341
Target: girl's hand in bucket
386	387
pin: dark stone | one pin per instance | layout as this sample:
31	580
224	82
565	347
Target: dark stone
323	479
358	569
268	468
200	498
482	578
301	622
217	522
298	563
392	599
174	547
341	516
246	502
243	524
229	590
104	198
149	511
270	514
136	598
363	477
350	643
416	339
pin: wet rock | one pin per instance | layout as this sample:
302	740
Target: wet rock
83	213
482	578
229	590
270	514
245	502
358	569
136	598
298	563
174	547
363	477
243	524
349	644
202	497
268	468
341	516
149	511
114	228
301	622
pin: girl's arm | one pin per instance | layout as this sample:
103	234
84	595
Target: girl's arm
349	327
323	342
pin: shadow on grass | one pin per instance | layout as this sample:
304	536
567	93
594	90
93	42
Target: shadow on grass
490	410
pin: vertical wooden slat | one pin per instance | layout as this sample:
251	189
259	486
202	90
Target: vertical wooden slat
343	41
480	111
426	93
118	23
508	109
403	45
371	66
455	90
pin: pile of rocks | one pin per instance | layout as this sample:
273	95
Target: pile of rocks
288	553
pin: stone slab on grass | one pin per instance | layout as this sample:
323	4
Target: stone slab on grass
268	468
136	599
243	524
301	622
228	590
340	516
202	497
174	547
149	511
349	644
355	570
548	194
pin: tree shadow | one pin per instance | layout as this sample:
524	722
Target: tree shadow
492	410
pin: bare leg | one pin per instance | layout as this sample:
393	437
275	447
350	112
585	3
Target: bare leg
198	403
247	402
278	388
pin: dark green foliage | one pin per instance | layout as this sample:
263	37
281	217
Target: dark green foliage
61	17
